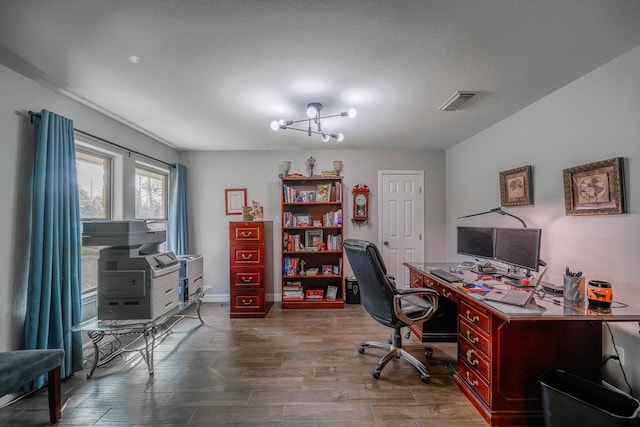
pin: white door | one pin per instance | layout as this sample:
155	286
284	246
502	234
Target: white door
401	213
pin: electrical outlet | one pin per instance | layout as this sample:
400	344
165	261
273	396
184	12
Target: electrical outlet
620	352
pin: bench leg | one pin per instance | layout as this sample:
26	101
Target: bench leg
55	398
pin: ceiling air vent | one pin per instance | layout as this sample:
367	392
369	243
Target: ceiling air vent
456	101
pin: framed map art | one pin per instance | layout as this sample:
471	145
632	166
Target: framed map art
595	188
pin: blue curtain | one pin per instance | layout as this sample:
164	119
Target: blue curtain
54	292
178	240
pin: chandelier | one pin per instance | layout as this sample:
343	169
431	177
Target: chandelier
314	118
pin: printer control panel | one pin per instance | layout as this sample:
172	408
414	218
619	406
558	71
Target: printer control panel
162	260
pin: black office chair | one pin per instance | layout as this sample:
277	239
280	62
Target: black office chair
392	307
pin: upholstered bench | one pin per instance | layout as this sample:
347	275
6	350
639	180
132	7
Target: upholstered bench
19	367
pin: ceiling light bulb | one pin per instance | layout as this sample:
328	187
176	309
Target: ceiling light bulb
340	137
312	112
275	125
352	113
325	137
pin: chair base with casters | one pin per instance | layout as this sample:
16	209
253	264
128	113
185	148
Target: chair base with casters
395	350
390	306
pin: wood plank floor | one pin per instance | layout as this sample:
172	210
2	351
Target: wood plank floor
293	368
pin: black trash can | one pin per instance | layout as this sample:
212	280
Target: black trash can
352	292
568	400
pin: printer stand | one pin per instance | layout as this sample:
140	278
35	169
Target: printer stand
147	332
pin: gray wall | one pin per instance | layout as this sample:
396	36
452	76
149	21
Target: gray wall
596	117
257	171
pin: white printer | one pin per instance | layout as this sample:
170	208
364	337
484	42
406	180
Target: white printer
190	276
135	280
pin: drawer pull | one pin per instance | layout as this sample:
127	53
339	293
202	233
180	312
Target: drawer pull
473	319
246	233
447	293
248	280
245	302
472	339
245	256
473	362
473	383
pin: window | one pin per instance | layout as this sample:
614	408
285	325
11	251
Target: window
94	178
151	194
151	199
94	194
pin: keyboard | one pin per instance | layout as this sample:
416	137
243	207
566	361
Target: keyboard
446	276
509	296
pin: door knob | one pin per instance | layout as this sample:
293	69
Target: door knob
386	243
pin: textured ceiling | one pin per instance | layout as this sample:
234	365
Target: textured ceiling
212	75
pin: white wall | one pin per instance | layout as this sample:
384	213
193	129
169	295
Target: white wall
20	95
594	118
257	171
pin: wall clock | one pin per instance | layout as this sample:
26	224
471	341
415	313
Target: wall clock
360	203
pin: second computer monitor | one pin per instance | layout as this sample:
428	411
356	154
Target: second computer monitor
476	241
519	247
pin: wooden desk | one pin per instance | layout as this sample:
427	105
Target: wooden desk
502	349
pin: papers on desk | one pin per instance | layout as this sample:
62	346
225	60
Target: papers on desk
475	287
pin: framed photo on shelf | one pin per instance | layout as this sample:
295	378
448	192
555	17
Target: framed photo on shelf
306	197
302	220
312	238
332	292
516	187
323	193
234	200
595	188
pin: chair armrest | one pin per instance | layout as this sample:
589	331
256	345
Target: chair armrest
429	299
414	291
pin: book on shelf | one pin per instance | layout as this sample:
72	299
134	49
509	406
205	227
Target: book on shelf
332	218
314	294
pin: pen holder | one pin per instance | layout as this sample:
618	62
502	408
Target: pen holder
574	288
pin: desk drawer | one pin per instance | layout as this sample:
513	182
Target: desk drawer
246	232
472	335
475	316
244	277
247	255
475	359
474	380
440	288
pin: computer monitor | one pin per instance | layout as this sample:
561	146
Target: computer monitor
519	247
476	241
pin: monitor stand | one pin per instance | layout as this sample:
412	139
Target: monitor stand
514	277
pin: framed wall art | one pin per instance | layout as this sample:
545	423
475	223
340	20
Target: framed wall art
234	200
516	187
595	188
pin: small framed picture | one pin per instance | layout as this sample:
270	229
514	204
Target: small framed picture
516	187
312	238
332	292
303	220
317	223
327	269
595	188
234	200
323	193
306	197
